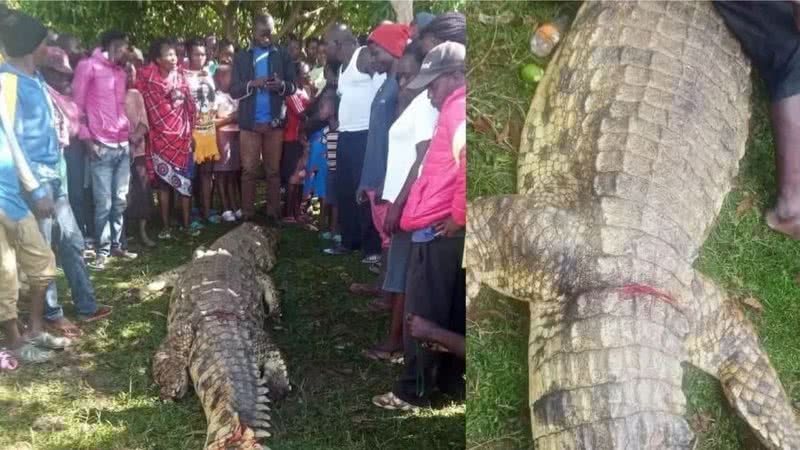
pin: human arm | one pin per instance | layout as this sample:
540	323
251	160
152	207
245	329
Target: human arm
424	330
239	76
80	87
392	222
42	203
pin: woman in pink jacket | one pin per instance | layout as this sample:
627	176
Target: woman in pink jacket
435	214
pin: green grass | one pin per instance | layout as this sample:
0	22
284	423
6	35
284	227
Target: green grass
741	254
101	395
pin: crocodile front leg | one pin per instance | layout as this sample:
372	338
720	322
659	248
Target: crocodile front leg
522	248
725	345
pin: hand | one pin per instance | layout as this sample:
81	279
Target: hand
447	228
274	83
391	224
361	197
259	83
419	328
92	148
44	207
379	197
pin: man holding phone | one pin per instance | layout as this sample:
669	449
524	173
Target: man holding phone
263	75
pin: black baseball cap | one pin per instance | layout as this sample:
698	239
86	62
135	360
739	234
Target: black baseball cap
444	58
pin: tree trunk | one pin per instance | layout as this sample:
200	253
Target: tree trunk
403	10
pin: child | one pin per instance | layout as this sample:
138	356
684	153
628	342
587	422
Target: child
226	169
140	206
291	163
201	85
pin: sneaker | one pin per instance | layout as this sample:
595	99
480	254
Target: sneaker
196	225
164	234
99	263
32	354
337	250
124	254
371	259
327	235
101	313
50	342
238	214
215	219
337	238
228	216
375	268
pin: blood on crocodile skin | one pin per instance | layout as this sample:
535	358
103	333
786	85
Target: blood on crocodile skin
631	290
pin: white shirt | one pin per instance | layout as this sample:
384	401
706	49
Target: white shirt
415	125
356	91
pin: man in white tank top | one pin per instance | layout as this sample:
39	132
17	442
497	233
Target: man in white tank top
357	88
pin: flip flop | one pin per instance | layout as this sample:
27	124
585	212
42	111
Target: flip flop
393	403
50	342
8	362
376	354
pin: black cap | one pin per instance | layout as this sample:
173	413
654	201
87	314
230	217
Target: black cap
444	58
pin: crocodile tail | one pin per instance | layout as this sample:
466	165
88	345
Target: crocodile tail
227	379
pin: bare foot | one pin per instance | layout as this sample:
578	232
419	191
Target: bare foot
64	327
789	227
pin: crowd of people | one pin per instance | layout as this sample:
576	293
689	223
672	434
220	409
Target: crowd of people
362	140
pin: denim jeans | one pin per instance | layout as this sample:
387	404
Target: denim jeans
70	253
111	174
75	157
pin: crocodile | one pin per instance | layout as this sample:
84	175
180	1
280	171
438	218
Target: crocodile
631	143
216	337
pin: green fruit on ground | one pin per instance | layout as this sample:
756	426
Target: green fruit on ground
531	73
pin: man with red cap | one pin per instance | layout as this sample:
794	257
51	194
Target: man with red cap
386	45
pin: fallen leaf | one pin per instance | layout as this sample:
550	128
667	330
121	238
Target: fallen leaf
753	304
701	422
501	19
482	125
746	204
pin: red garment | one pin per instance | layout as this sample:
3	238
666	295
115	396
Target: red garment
295	107
392	37
171	122
440	191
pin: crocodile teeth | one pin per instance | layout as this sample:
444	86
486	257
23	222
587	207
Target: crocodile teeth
263	416
262	391
262	399
261	424
262	407
262	434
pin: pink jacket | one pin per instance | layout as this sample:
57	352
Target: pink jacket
441	189
99	89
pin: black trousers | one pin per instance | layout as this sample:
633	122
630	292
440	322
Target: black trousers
355	221
435	290
770	38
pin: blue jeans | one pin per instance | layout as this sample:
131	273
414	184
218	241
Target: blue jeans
70	253
111	174
75	157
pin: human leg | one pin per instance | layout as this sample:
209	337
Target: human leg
120	185
102	178
74	156
272	146
250	153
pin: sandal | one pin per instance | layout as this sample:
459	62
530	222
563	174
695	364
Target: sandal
8	362
392	402
64	327
377	354
30	353
788	227
50	342
434	347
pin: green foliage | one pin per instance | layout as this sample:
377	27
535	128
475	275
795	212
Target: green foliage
145	20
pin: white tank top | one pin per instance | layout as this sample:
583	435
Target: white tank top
356	91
